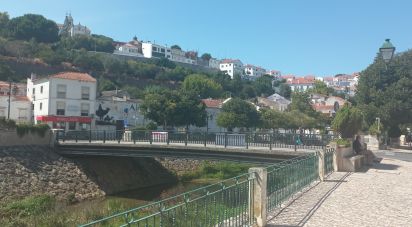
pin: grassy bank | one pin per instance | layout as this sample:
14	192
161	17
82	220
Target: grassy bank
44	210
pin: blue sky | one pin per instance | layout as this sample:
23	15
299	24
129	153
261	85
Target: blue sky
302	37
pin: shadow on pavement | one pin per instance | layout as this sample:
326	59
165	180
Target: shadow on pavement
315	207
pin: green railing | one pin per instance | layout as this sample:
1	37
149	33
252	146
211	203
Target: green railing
246	140
223	204
286	178
328	161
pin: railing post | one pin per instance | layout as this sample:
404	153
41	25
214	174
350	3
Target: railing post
295	142
150	137
225	139
186	137
90	136
321	164
119	136
270	141
75	136
167	138
134	134
247	140
258	195
205	139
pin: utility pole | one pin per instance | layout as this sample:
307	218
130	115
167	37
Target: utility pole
8	109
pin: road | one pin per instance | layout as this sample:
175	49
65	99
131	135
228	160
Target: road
403	155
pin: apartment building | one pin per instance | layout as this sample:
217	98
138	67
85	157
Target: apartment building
231	67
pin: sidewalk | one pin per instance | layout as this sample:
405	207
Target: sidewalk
379	196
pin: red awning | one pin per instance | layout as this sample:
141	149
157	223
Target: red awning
64	119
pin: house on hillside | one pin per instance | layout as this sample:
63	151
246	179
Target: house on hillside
231	67
253	72
152	50
64	100
117	106
132	48
274	102
20	105
70	29
327	105
301	84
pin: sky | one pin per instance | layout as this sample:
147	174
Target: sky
300	37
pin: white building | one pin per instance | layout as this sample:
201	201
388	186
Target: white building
71	29
231	67
151	50
128	49
301	84
281	103
65	100
20	105
113	106
253	72
275	73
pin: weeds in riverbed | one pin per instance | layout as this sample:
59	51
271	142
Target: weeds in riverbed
219	171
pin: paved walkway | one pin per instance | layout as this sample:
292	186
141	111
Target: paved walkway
379	196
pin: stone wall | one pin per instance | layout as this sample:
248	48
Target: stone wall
31	170
10	138
180	166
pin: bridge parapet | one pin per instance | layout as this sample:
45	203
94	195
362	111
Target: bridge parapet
248	140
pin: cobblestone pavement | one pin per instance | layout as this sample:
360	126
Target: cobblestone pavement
378	196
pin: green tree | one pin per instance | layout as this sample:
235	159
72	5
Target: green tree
33	26
160	107
206	56
321	88
191	111
301	103
348	121
4	20
385	92
88	62
201	85
272	119
238	113
285	90
5	72
263	85
177	47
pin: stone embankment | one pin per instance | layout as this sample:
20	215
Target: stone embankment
35	169
31	170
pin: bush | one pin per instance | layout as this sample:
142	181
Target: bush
343	142
373	129
394	132
29	206
7	124
39	129
348	121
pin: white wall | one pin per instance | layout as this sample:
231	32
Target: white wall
134	117
20	110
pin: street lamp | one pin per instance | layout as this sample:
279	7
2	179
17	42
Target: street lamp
9	101
378	120
387	50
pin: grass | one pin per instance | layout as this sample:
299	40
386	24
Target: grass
216	171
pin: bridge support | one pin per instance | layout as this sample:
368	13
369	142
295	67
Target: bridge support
257	195
321	164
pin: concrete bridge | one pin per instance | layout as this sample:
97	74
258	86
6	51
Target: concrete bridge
246	147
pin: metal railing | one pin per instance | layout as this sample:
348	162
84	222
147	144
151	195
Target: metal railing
224	204
228	203
245	140
288	177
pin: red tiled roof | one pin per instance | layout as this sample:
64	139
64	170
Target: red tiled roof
229	60
302	81
21	98
74	76
213	103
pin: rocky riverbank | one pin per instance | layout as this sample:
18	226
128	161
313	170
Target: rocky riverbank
33	170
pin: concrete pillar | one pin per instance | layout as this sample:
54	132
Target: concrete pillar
321	164
258	195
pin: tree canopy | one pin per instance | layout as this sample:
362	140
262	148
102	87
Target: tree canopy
206	56
33	26
321	88
263	85
238	113
348	121
202	86
385	93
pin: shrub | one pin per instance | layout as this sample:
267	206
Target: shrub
343	142
394	132
348	121
28	206
40	129
7	124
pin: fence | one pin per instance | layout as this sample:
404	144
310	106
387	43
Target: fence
231	202
246	140
223	204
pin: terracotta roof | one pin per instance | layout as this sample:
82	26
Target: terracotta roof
229	60
74	76
213	103
301	81
21	98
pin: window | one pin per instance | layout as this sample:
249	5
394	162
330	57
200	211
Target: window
85	93
84	110
34	91
61	106
41	89
41	106
72	125
61	91
162	50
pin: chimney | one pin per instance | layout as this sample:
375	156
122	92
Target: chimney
32	76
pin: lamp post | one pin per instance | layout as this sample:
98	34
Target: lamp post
387	50
8	108
378	120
